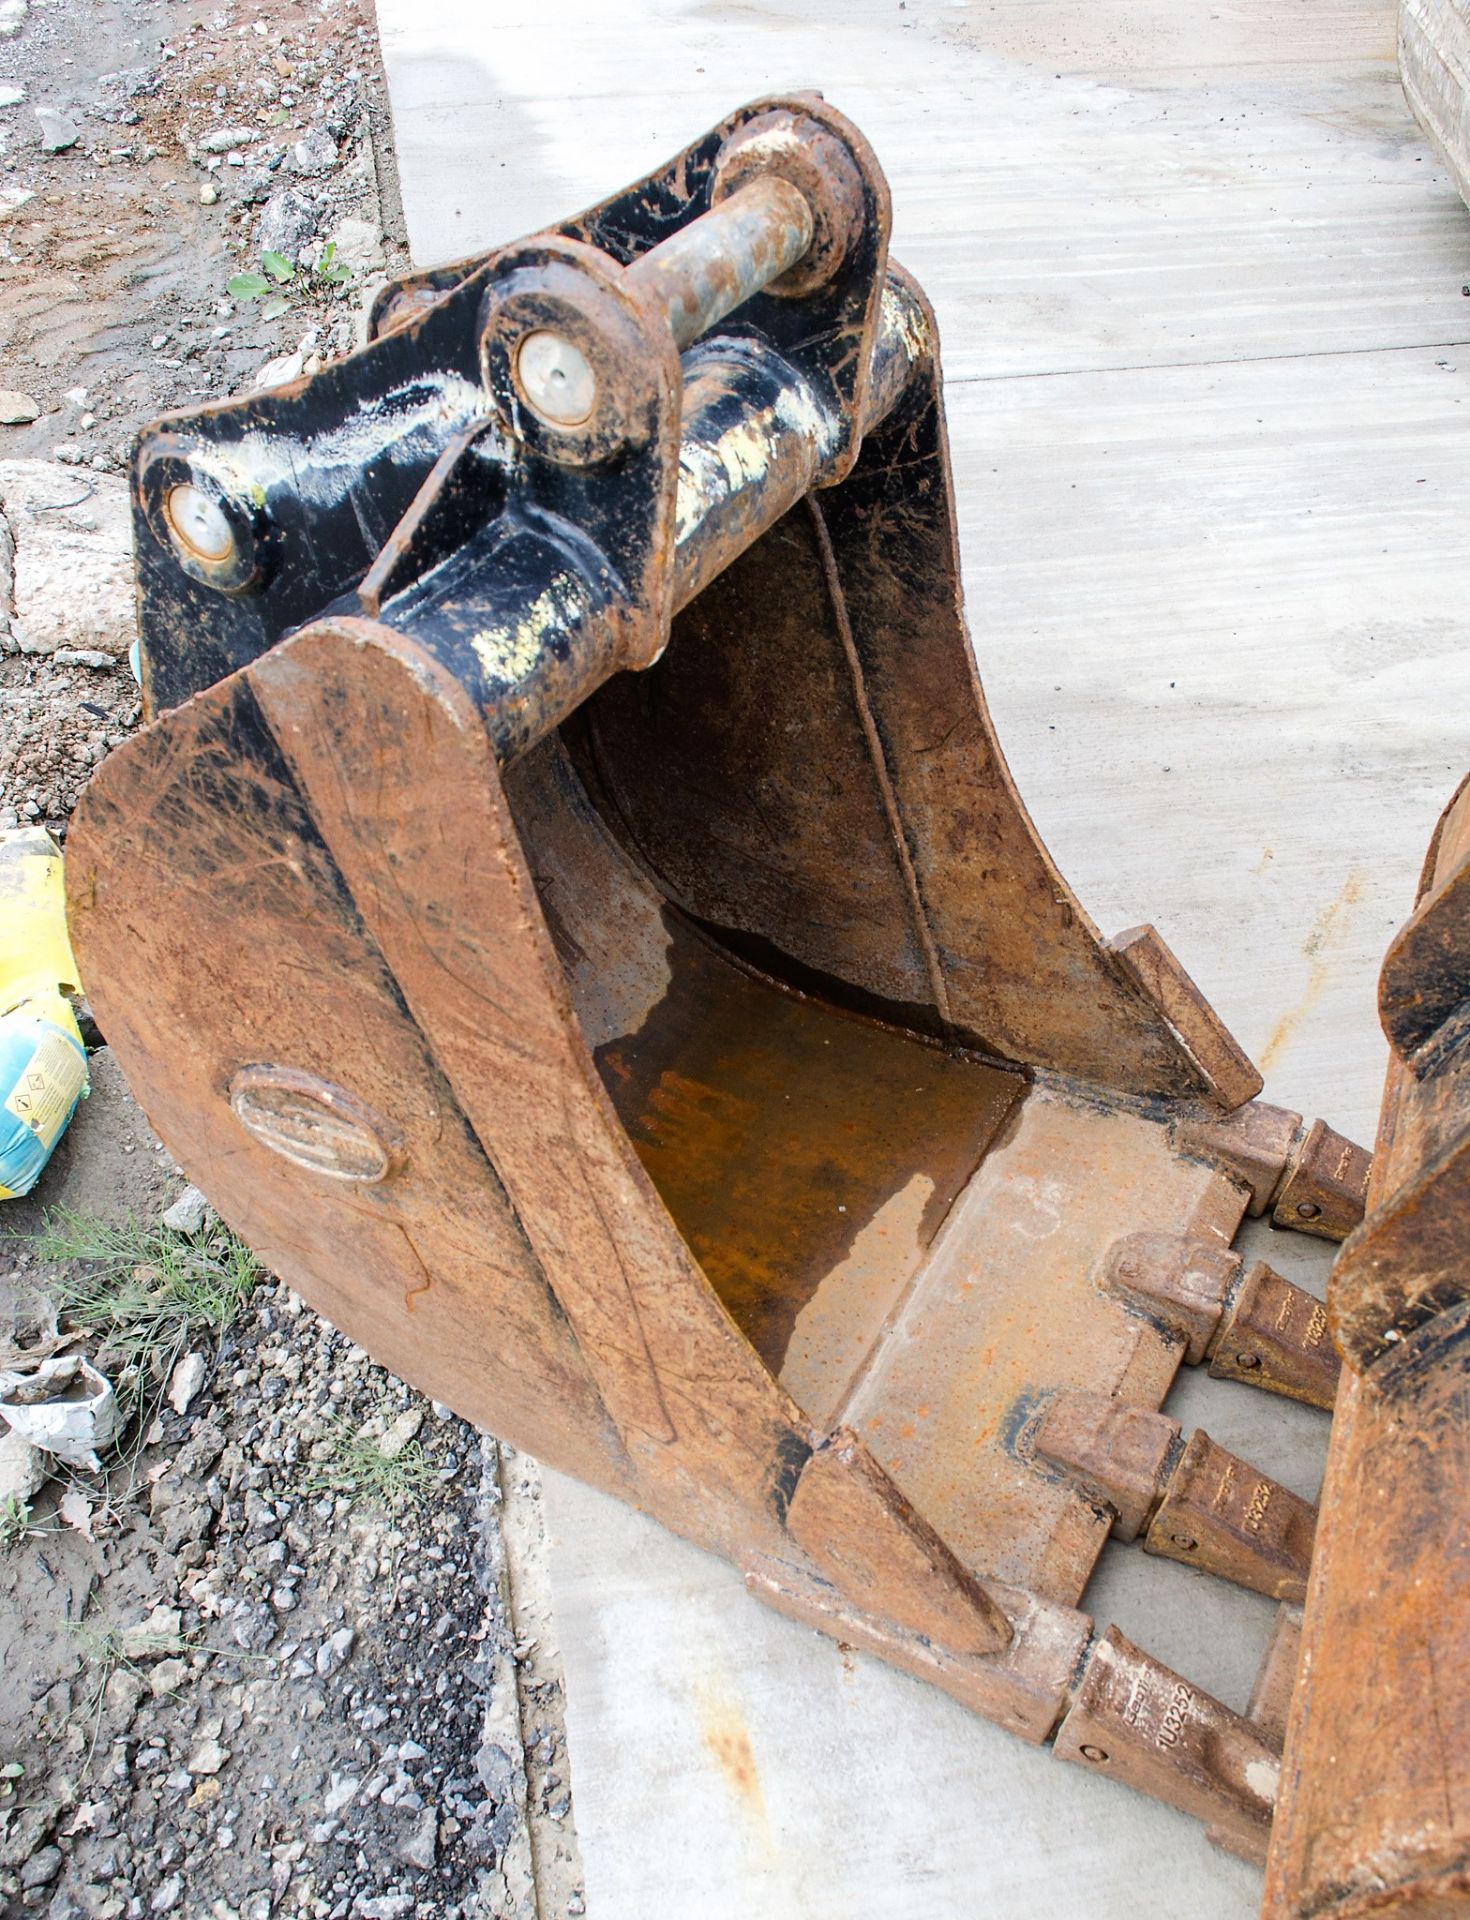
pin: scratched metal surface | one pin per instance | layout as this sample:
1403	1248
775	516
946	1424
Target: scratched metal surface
1198	279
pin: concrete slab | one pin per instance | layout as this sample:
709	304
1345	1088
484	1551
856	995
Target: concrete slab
1198	279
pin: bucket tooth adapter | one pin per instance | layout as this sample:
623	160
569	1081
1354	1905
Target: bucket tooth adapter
1376	1817
571	915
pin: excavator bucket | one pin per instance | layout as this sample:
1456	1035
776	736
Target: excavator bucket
1376	1809
570	913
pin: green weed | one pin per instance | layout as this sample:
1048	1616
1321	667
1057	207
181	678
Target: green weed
280	279
15	1520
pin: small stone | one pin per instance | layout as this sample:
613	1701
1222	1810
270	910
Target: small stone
188	1213
72	584
185	1523
401	1432
167	1677
341	1792
420	1848
159	1633
332	1654
17	409
186	1380
358	244
58	130
287	222
411	1750
208	1757
314	153
261	1520
68	453
23	1469
168	1895
208	193
82	657
12	14
42	1867
280	370
254	1627
221	139
124	1690
11	96
383	1906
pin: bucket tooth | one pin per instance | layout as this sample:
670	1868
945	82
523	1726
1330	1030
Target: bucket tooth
1256	1326
1219	1514
1136	1720
1274	1335
1311	1179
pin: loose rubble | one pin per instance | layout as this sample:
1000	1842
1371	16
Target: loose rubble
246	1689
160	150
234	1685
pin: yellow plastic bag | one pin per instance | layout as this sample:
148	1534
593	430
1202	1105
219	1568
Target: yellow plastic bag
43	1064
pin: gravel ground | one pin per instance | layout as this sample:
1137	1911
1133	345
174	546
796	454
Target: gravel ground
280	1655
268	1664
114	301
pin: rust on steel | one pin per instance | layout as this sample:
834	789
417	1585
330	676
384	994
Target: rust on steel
707	269
1376	1814
1191	1500
570	911
1255	1326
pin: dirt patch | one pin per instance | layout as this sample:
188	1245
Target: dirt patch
114	300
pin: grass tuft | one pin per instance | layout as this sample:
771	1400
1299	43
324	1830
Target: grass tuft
147	1295
145	1290
357	1466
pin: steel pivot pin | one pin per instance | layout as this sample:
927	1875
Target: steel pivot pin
556	378
199	523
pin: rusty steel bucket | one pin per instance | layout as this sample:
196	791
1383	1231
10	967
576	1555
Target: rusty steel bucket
571	915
